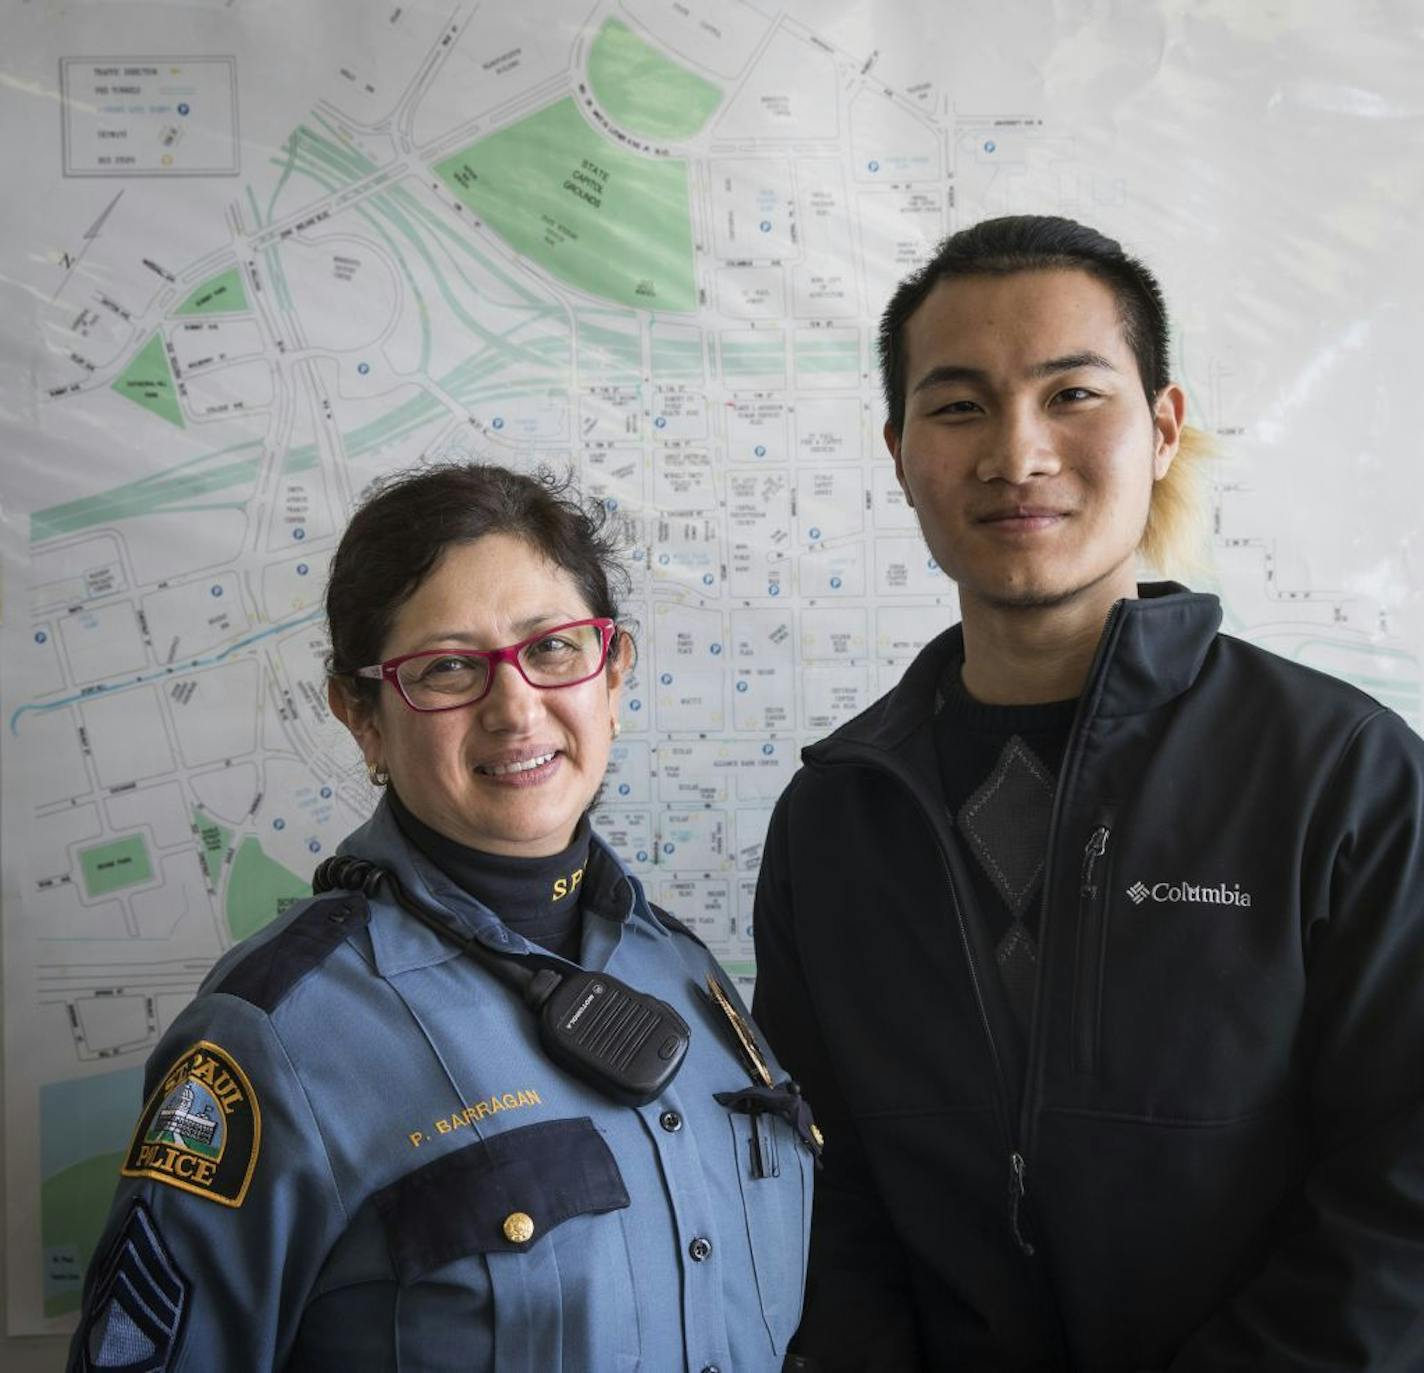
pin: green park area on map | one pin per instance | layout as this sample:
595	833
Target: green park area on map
111	867
148	381
259	889
644	92
214	839
85	1125
605	220
220	295
73	1204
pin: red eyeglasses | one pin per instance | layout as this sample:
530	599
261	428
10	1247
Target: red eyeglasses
447	679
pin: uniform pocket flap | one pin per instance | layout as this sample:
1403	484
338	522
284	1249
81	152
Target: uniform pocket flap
498	1195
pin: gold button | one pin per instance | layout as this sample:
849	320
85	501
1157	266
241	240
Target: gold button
518	1228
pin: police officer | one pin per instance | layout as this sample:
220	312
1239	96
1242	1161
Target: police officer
355	1151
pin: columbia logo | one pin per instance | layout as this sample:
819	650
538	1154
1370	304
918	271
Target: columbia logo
1189	893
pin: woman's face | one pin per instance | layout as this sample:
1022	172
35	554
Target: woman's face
450	768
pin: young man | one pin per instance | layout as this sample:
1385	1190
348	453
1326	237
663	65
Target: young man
1097	942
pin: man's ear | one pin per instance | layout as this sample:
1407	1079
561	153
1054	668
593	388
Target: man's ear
1169	413
892	442
359	717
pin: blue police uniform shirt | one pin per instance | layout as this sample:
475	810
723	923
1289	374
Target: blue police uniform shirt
354	1154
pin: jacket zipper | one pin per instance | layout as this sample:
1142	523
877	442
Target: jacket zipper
1017	1172
1032	1089
1092	894
1018	1150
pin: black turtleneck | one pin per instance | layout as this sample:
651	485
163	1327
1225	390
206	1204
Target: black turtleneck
538	898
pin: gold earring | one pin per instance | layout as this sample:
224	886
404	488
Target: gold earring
617	729
377	775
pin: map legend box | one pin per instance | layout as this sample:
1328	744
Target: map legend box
149	116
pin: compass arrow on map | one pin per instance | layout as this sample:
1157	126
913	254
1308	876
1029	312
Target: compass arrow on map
90	234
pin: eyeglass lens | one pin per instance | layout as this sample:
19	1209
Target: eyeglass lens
559	657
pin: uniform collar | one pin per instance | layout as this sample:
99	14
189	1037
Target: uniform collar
400	942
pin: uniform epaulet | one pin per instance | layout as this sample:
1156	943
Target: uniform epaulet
272	969
671	922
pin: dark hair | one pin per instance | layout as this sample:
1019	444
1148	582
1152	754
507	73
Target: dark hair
1031	243
405	524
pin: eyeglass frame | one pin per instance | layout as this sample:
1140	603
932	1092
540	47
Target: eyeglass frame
387	671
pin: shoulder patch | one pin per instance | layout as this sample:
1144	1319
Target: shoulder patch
136	1311
272	969
671	922
200	1129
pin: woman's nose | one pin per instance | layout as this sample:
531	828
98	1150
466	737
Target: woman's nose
510	704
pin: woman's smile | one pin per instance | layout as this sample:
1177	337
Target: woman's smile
522	771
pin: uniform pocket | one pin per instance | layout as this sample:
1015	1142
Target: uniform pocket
773	1168
525	1215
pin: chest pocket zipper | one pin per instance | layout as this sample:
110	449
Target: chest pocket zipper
1091	948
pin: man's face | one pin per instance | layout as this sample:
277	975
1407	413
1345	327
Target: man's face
1029	450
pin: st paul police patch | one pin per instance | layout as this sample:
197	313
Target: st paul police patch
201	1128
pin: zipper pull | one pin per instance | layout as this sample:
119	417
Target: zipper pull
1017	1186
1097	846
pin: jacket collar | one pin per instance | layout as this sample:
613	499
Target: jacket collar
400	942
1151	650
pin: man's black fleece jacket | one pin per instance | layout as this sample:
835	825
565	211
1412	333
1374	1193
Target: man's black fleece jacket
1212	1155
